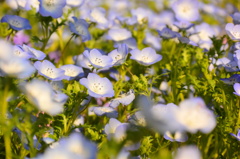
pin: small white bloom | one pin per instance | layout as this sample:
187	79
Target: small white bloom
119	34
188	152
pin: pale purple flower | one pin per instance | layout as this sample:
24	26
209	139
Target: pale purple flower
72	71
183	25
153	41
231	80
146	57
186	10
19	52
81	60
111	127
97	86
236	18
20	38
98	60
48	70
233	31
188	152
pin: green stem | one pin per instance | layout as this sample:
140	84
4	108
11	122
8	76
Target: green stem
64	49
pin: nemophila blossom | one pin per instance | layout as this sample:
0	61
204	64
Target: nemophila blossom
233	31
124	99
177	136
71	71
167	33
98	15
116	76
236	136
236	18
110	128
119	34
142	14
41	94
18	51
16	22
236	87
183	25
107	111
119	55
186	10
231	80
73	147
6	51
75	3
28	4
17	67
146	57
81	60
188	152
37	54
80	27
97	86
153	41
98	60
53	8
48	70
138	119
194	115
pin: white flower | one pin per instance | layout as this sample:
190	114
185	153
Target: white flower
71	71
119	55
146	57
97	86
188	152
41	94
194	115
119	34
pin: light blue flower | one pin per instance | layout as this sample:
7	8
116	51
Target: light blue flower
18	51
124	99
80	27
231	80
48	70
16	22
97	59
119	34
236	136
37	54
236	87
186	10
107	111
97	86
146	57
183	25
119	55
72	71
167	33
53	8
233	31
178	136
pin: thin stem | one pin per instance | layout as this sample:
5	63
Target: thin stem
65	47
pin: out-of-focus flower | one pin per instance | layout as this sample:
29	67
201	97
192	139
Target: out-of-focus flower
236	18
48	70
37	54
28	4
124	99
194	115
138	119
236	87
97	86
19	52
178	136
146	57
82	61
186	10
75	3
111	127
53	8
142	14
188	152
119	55
80	27
107	111
20	38
41	94
233	31
183	25
98	60
231	80
167	33
72	71
16	22
119	34
236	136
98	15
153	41
73	147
